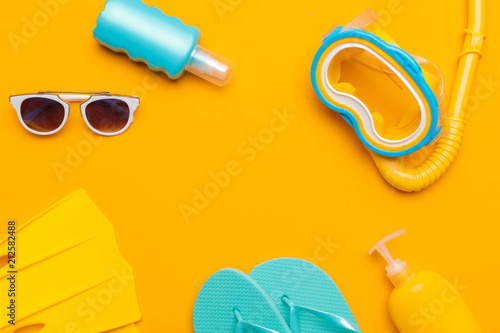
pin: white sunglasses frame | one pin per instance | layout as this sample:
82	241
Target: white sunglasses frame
65	97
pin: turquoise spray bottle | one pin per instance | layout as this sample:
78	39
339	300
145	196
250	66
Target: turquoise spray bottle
166	44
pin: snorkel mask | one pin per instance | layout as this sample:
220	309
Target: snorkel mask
392	99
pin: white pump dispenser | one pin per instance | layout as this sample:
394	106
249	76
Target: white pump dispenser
398	271
425	301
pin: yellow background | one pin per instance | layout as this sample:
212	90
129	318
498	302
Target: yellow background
314	181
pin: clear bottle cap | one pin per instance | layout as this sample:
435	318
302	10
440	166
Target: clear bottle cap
210	66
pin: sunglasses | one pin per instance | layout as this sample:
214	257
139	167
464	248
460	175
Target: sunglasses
46	113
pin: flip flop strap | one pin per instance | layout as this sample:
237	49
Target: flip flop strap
334	320
243	326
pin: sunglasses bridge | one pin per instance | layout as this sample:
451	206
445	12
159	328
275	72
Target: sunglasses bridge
74	96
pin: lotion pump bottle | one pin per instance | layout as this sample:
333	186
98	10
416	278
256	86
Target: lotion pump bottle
424	302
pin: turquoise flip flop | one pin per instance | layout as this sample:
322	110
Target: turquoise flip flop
306	296
231	301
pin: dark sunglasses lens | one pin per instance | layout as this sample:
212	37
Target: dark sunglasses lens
42	114
108	115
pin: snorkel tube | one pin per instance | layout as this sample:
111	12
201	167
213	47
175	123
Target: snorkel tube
399	171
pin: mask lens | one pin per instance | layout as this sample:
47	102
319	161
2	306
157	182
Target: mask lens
42	114
395	110
108	115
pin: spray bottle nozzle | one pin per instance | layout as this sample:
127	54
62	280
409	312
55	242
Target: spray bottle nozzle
398	271
210	66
